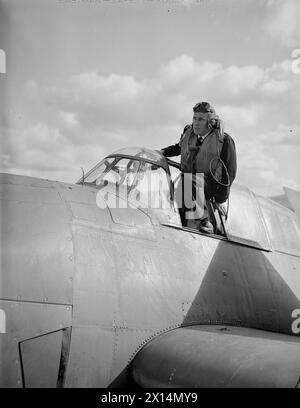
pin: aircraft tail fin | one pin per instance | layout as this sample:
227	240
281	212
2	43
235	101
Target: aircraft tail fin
291	200
294	199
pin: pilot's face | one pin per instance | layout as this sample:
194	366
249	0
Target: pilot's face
200	123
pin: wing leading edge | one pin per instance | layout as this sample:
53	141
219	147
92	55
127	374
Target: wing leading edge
218	356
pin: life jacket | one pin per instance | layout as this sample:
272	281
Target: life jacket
200	159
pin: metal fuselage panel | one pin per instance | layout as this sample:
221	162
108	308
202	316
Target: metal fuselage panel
128	282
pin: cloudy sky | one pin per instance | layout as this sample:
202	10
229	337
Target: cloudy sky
87	77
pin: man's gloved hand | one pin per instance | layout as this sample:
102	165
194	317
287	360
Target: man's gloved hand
220	207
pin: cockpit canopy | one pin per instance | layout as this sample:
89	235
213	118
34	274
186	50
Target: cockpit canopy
142	153
136	155
141	176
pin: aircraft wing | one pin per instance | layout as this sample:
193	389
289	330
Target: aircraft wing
218	356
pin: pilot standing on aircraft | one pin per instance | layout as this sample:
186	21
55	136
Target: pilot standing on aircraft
206	149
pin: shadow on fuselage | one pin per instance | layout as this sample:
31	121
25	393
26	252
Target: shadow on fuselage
243	287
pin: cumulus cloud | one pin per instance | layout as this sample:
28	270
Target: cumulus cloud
121	101
115	100
90	114
282	22
69	118
284	135
41	151
274	87
240	117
